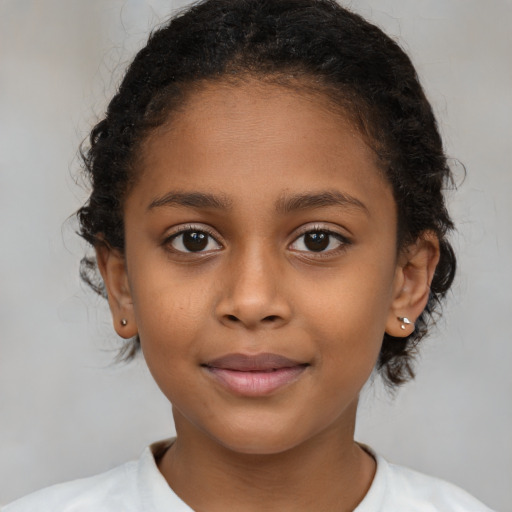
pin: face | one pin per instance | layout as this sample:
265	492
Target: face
260	266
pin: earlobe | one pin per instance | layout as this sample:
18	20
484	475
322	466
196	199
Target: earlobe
112	266
414	274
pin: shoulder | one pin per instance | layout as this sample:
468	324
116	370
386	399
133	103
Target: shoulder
414	487
106	492
399	489
132	487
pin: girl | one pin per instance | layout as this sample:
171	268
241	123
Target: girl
269	225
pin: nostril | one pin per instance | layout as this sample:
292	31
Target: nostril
270	318
233	318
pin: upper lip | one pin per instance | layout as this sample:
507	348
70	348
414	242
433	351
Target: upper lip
247	363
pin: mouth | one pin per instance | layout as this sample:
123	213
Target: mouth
254	375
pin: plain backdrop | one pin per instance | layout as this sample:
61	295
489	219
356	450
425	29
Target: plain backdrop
67	412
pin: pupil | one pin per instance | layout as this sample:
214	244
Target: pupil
317	241
195	241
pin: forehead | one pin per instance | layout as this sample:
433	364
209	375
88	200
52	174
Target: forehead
256	139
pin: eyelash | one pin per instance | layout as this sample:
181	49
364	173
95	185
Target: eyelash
190	229
343	241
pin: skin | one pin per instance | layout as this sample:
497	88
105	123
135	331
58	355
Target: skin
258	288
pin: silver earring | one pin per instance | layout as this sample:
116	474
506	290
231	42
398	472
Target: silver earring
405	321
124	322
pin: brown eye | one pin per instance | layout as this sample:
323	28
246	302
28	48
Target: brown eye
193	241
319	241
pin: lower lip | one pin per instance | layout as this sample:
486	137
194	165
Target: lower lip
254	383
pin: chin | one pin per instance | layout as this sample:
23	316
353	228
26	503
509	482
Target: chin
261	439
260	446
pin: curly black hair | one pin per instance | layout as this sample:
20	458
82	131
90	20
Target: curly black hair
315	44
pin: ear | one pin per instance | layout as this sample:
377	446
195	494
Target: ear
112	266
414	273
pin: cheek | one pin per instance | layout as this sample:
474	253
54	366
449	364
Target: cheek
170	315
171	330
348	311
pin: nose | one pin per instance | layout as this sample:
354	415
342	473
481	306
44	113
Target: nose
253	292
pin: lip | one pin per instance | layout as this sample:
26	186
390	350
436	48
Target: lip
254	375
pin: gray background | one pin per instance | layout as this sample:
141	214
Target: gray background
66	412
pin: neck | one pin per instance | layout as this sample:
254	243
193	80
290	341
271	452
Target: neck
327	472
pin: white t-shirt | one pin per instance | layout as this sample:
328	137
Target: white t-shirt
138	486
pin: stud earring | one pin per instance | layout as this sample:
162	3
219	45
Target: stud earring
405	321
124	322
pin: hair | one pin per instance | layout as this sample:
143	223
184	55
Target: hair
312	44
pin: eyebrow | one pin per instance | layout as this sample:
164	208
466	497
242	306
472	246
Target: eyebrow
285	204
192	200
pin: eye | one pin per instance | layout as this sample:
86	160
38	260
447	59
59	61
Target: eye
319	241
193	240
